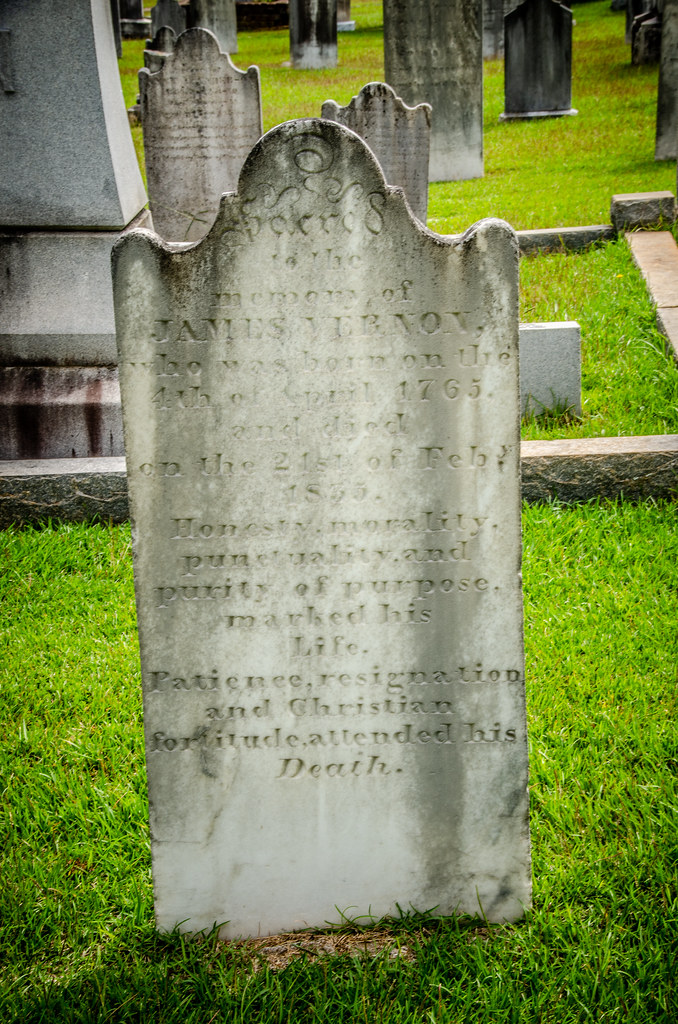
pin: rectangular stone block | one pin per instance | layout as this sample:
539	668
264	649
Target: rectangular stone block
321	409
550	368
641	210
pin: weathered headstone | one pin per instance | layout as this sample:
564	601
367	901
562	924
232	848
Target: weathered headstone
538	61
550	368
168	14
321	425
313	33
133	23
493	27
200	117
646	38
344	21
157	48
219	17
69	182
666	146
433	54
398	135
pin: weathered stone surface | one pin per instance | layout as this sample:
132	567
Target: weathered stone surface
666	143
563	239
433	54
493	27
550	368
133	24
538	60
157	49
200	117
48	177
319	398
607	467
63	490
646	39
168	14
251	14
218	17
313	33
398	135
344	21
655	253
641	210
49	412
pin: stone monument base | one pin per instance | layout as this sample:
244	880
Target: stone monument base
346	26
527	115
135	28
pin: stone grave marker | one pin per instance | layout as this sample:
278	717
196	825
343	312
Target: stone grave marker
550	368
344	21
538	61
313	33
321	414
398	135
168	14
200	117
157	48
219	17
666	146
69	183
433	54
493	27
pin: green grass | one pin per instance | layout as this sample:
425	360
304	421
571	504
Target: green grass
537	174
77	941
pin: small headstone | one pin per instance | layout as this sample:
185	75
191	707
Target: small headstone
538	61
158	48
433	54
321	412
219	17
200	117
633	9
398	135
666	146
313	33
493	27
646	38
344	20
133	23
550	368
168	14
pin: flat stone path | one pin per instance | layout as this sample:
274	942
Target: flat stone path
655	253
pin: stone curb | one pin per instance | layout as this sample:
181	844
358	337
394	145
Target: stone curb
564	239
633	468
655	253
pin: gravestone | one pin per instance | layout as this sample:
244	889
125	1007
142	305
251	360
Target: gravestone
168	14
200	117
344	21
313	33
321	425
433	54
398	135
157	48
550	368
646	38
69	183
666	144
493	27
219	17
538	61
133	23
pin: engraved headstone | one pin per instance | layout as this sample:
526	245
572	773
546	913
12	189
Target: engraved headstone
666	145
168	14
433	54
313	33
69	182
538	61
200	117
219	17
321	426
398	135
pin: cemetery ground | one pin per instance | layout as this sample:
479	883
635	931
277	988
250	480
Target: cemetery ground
77	937
78	942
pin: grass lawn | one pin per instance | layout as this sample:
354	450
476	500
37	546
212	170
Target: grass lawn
77	941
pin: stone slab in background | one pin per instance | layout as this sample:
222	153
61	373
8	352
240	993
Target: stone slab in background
313	33
550	368
218	17
642	210
200	116
252	15
563	239
666	142
655	253
48	178
538	60
53	412
433	54
398	135
633	468
80	490
168	14
493	27
308	370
